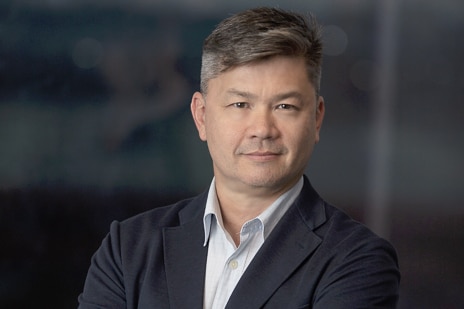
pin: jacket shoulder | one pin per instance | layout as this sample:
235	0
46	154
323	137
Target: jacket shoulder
165	216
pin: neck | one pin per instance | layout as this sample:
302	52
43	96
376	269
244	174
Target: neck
239	203
238	208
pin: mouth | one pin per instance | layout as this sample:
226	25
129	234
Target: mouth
262	156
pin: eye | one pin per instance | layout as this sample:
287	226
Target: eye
240	105
285	106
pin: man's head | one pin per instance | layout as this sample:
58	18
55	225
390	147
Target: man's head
259	34
259	110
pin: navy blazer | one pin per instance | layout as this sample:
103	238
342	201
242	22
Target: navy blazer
316	257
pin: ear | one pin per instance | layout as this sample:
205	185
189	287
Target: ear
320	110
197	107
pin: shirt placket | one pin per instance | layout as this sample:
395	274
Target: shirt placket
235	265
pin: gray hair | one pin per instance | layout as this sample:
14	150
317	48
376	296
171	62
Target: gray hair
259	34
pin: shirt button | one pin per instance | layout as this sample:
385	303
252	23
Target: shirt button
233	264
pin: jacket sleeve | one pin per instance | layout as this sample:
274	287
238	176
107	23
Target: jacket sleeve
104	285
364	274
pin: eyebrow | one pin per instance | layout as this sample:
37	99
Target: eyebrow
278	97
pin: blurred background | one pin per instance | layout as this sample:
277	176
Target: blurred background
95	127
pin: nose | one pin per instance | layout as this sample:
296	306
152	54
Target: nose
262	125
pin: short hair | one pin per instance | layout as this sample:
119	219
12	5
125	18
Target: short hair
258	34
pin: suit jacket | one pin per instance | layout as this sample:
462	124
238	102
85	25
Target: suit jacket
316	257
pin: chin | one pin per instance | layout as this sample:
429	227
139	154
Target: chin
264	182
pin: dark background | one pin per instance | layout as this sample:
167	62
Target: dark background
95	127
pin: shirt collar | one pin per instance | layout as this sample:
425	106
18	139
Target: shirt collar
272	215
211	210
269	217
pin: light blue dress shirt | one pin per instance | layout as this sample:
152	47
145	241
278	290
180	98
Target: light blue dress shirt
226	262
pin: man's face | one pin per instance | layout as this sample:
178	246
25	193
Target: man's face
261	122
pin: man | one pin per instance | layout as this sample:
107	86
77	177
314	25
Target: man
261	237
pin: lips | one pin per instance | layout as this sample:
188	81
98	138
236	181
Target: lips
262	153
262	156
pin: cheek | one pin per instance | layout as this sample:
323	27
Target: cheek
222	146
301	140
219	136
210	127
222	130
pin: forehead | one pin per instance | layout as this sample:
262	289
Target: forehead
275	74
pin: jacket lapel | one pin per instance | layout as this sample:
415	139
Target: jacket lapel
185	257
289	244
